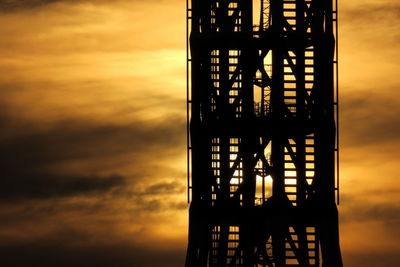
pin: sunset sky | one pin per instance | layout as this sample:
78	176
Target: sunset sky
92	140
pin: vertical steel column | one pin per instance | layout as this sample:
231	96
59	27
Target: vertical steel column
262	121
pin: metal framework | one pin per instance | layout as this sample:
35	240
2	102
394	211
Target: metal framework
262	133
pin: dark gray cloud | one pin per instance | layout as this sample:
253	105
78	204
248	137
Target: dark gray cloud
16	5
31	161
164	188
362	210
42	186
372	258
10	5
156	197
370	118
35	191
365	208
46	254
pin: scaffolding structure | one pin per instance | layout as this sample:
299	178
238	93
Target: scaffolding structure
262	102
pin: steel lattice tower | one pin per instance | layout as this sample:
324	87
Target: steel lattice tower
262	146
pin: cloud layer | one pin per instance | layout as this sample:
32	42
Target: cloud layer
92	133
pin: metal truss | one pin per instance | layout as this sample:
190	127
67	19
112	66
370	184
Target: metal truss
262	136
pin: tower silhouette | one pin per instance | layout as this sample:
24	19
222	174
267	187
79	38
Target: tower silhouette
262	135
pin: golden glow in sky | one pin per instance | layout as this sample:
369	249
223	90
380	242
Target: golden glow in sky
93	133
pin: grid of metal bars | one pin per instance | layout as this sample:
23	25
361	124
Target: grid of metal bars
224	86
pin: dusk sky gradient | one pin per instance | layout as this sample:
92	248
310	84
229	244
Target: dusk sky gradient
93	125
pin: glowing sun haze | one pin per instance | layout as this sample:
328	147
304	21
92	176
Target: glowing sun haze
92	139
